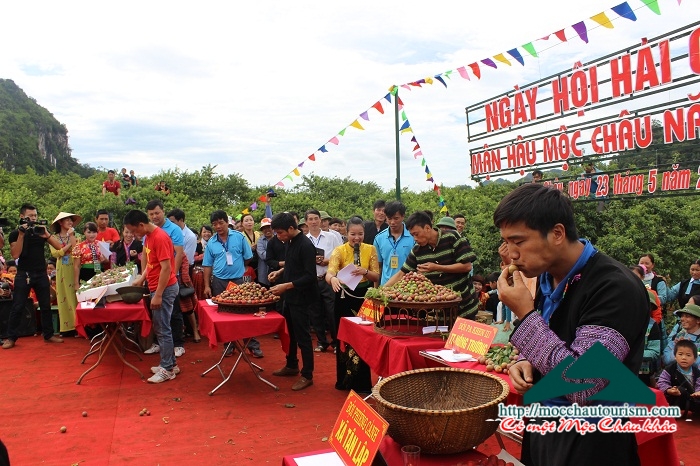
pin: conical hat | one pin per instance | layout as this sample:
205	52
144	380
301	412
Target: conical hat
61	215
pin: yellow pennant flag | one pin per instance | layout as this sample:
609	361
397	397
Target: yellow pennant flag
296	171
245	212
428	80
602	19
407	130
500	57
356	124
444	209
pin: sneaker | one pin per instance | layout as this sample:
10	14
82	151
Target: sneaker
153	349
179	351
155	369
320	349
286	372
257	353
54	339
302	383
7	344
162	376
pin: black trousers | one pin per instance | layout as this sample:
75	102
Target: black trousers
39	282
299	326
352	373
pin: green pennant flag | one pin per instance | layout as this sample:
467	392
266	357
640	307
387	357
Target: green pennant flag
442	199
394	90
530	49
447	74
342	133
422	163
653	5
403	115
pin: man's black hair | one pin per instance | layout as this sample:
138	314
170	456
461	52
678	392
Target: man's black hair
538	172
539	207
111	171
218	215
283	221
394	207
135	217
492	277
335	220
419	219
25	207
309	212
179	214
379	204
153	204
101	212
430	215
456	216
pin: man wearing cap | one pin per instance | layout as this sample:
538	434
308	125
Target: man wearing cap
27	245
303	227
446	224
261	247
393	244
63	227
326	225
687	329
322	311
378	224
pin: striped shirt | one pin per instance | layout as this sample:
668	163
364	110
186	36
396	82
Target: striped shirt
450	249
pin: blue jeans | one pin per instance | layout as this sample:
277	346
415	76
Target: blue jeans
161	326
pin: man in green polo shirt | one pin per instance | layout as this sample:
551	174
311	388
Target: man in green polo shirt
443	257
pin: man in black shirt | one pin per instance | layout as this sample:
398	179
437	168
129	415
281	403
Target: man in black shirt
378	224
299	285
27	247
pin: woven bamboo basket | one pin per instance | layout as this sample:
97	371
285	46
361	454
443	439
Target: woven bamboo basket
442	410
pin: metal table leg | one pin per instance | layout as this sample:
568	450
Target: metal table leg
240	345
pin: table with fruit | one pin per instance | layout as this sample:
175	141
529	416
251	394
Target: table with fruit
249	295
416	297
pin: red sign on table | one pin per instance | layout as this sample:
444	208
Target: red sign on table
357	432
468	336
371	310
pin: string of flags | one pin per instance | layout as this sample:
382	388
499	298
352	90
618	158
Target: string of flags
519	54
406	128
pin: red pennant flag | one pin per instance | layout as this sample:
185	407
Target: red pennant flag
312	157
476	70
417	147
263	198
379	107
561	35
436	188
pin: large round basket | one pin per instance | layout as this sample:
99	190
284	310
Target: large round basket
245	308
442	410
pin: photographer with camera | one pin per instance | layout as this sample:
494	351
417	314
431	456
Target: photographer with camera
27	247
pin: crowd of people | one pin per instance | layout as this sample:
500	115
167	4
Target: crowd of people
565	293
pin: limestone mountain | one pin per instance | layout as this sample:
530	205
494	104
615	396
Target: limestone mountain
31	137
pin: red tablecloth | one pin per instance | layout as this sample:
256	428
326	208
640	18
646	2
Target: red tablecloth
655	449
222	327
391	451
113	312
386	355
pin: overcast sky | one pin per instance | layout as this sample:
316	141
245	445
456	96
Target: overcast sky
257	87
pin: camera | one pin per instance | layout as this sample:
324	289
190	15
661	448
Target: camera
30	227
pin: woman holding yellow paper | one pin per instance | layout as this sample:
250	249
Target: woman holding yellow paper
351	371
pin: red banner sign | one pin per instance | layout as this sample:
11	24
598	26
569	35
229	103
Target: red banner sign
357	432
371	310
470	337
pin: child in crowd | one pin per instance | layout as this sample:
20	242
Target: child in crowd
680	381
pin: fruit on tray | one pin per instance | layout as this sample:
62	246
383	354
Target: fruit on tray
109	277
246	293
413	287
500	358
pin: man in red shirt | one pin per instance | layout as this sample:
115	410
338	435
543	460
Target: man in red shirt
111	185
104	231
158	265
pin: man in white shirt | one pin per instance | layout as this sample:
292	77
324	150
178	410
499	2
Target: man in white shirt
177	216
322	312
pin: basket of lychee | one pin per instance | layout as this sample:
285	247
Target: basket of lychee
414	288
500	358
245	298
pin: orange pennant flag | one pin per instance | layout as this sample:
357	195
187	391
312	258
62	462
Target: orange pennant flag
502	59
296	171
602	19
356	124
